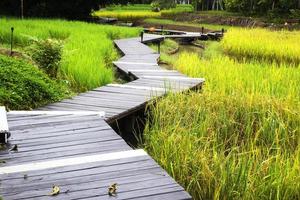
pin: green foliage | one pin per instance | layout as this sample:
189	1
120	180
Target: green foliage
270	7
165	4
238	138
24	86
47	54
155	7
71	9
295	13
131	7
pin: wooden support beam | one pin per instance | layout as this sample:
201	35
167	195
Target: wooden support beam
4	131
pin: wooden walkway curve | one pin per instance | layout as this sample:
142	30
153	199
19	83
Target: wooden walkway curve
70	143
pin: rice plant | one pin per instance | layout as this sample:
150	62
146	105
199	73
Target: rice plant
239	137
127	15
261	44
138	11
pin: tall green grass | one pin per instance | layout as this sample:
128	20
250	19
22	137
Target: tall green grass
239	137
88	48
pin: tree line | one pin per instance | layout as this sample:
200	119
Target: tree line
250	6
77	9
71	9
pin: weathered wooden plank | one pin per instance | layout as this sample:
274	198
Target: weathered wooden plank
101	170
122	89
133	177
100	104
106	95
82	183
26	167
56	128
66	106
57	113
74	136
128	188
59	120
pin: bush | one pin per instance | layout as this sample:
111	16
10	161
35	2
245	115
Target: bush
295	13
155	6
47	54
166	4
24	86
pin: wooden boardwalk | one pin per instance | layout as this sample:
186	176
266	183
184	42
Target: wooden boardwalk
174	34
71	145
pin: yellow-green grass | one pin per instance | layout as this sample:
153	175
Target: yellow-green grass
127	15
88	48
134	7
191	24
135	12
262	44
239	137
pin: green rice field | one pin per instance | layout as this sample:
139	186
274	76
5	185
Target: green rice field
137	12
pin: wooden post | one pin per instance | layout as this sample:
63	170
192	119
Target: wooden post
142	36
11	41
22	9
158	47
202	30
4	132
162	29
223	31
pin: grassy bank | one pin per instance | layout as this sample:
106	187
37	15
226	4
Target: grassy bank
191	24
88	48
24	86
239	138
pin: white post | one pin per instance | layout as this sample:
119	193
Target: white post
4	132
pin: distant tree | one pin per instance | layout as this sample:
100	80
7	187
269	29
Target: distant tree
165	4
71	9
